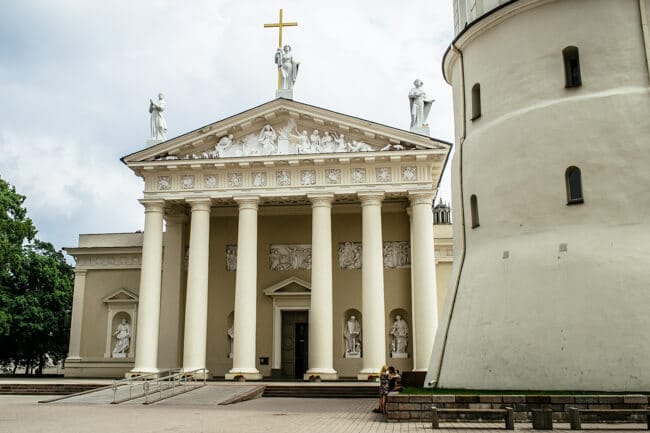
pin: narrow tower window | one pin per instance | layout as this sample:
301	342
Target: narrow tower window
572	67
476	101
473	202
573	180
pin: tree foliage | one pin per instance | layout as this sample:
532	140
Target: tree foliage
35	289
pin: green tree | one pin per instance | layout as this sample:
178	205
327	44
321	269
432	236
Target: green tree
35	289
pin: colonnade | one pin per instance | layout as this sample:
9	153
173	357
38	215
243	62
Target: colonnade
321	319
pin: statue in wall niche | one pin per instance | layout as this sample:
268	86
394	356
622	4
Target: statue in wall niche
267	138
288	67
123	336
231	340
352	335
158	123
420	105
400	334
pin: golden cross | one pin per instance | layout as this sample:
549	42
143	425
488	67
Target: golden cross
280	24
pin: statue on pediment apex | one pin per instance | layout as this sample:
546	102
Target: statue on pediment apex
288	67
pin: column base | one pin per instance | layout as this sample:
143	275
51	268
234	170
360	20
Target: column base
244	376
200	374
320	374
155	372
369	375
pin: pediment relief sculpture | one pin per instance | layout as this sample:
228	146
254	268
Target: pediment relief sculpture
287	138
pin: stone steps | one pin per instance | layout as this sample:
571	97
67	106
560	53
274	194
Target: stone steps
46	388
321	391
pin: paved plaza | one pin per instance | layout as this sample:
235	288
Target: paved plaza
23	414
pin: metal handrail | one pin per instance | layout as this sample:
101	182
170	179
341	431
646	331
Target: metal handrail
182	378
136	381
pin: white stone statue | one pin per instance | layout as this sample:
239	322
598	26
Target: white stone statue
420	107
352	335
267	138
327	143
123	336
341	144
304	145
224	144
231	339
158	123
400	333
288	67
315	140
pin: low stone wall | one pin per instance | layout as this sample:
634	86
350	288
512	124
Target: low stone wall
403	407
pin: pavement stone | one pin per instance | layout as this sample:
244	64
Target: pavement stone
22	414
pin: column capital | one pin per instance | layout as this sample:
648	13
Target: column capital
199	203
247	202
422	197
153	205
80	272
371	198
321	200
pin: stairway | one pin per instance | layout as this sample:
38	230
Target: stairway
322	391
46	388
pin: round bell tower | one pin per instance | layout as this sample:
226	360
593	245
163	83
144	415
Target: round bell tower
551	191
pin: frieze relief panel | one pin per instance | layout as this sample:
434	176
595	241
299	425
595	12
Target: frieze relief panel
350	255
231	258
109	261
291	177
288	257
285	139
397	254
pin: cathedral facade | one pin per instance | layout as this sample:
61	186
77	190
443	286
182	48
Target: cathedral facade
286	241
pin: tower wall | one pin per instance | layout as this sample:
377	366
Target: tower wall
546	295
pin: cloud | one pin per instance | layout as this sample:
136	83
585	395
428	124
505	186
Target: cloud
76	77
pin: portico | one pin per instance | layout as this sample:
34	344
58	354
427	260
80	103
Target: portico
251	234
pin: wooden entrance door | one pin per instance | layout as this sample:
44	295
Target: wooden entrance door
295	344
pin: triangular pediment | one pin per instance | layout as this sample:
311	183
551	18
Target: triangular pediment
284	127
123	296
290	286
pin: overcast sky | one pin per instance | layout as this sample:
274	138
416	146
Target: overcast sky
76	77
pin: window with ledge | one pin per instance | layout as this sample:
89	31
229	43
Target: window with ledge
476	101
473	203
571	67
573	180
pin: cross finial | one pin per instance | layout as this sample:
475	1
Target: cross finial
280	25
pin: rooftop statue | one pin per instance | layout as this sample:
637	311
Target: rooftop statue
420	107
158	123
288	67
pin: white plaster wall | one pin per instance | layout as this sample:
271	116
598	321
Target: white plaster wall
544	319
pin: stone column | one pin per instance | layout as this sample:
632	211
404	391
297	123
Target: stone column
245	292
77	315
196	299
372	286
146	347
423	270
172	293
321	334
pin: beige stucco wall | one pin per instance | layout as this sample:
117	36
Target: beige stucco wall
528	316
100	284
